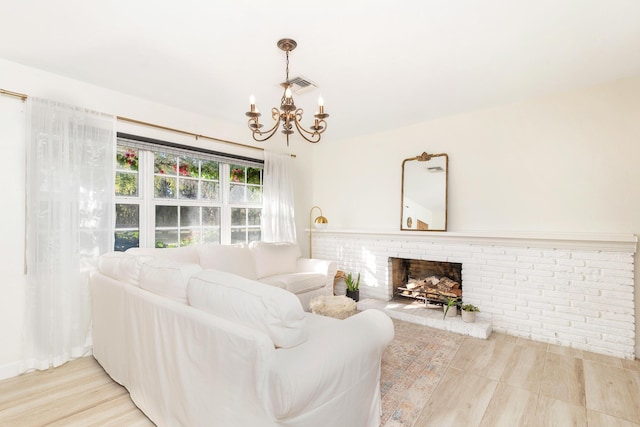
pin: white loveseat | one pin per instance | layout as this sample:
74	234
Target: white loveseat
277	264
203	347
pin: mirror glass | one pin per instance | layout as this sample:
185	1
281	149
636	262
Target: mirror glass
424	193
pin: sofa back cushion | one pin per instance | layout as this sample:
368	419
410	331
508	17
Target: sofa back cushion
167	278
122	266
235	259
274	311
185	254
274	258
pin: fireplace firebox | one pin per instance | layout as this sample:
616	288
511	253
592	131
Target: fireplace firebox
429	281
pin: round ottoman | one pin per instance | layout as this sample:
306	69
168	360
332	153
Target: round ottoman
338	306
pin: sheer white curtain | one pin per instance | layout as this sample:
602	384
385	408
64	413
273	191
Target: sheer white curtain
278	219
70	196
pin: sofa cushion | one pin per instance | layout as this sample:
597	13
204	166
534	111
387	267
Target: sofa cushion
122	266
274	258
235	259
185	254
296	282
274	311
167	278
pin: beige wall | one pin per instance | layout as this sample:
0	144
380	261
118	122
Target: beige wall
563	163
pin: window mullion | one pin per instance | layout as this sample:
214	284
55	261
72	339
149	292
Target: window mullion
225	212
149	207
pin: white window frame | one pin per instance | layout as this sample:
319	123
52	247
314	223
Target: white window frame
148	202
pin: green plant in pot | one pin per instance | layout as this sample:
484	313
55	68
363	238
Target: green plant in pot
450	306
353	286
469	312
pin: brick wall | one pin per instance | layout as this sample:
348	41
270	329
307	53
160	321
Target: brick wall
566	292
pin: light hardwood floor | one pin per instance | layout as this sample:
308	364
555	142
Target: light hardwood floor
78	393
509	381
502	381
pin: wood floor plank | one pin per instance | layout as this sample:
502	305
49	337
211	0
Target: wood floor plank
524	368
563	379
62	389
48	409
511	406
118	411
78	393
612	390
444	409
42	381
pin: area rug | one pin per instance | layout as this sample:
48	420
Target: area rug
412	366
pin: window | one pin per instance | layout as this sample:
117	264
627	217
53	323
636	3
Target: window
168	196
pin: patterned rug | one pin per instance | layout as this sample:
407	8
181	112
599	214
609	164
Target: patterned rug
412	366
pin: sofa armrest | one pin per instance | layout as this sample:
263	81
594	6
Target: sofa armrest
340	358
322	266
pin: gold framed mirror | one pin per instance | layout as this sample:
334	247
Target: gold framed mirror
424	193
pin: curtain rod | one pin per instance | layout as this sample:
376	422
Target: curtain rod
23	97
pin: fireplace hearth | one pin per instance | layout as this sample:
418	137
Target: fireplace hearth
429	281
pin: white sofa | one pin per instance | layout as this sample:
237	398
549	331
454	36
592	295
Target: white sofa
277	264
203	347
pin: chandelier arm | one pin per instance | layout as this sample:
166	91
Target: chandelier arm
321	129
298	117
298	120
302	132
324	126
275	114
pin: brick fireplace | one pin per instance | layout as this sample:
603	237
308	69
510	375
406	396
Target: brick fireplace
566	289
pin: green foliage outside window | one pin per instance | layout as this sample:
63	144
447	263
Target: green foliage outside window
210	170
245	175
126	184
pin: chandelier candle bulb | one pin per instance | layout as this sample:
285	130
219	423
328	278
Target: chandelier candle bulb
320	107
252	101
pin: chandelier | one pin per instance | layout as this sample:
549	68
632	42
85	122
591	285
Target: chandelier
288	113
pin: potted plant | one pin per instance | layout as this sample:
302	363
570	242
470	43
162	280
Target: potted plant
469	312
353	287
450	306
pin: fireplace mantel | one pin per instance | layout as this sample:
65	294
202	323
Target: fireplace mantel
610	242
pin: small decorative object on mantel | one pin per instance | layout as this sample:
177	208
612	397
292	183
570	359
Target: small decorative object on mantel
353	287
338	281
469	312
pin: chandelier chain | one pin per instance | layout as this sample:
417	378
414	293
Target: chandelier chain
287	76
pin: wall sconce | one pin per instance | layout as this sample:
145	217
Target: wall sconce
320	223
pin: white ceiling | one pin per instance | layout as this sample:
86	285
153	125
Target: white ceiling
379	64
